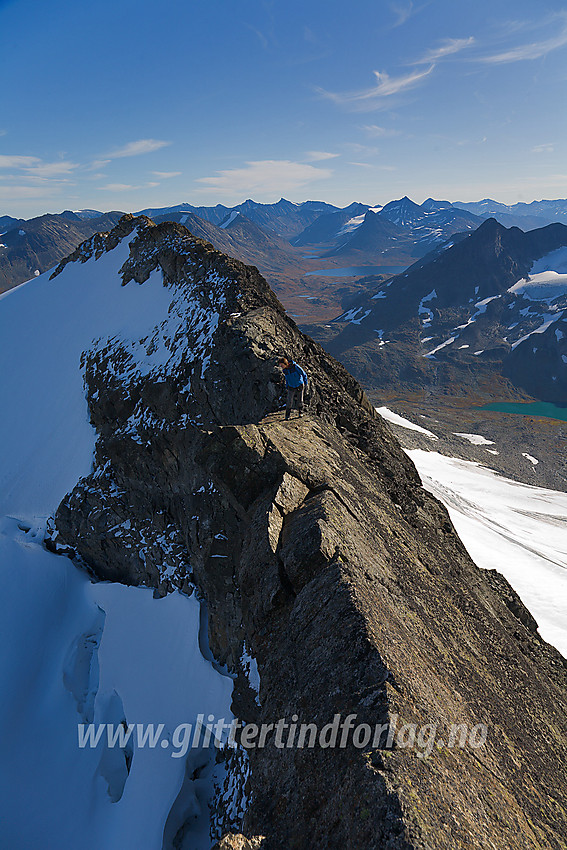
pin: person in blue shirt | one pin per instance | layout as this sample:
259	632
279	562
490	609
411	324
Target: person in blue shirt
296	382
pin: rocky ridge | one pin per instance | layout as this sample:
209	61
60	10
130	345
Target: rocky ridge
316	550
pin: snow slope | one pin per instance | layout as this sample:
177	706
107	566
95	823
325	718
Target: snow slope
46	440
76	652
544	286
72	651
517	529
396	419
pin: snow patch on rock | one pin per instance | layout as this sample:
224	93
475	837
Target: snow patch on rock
395	419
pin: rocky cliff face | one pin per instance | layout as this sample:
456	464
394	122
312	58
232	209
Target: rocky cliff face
317	552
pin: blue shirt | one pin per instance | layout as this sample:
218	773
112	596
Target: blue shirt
294	375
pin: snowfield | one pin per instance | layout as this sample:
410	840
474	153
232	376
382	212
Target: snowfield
544	286
517	529
475	439
72	651
395	419
46	439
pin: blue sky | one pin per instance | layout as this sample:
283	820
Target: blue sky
125	105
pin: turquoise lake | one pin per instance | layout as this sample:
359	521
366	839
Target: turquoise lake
533	408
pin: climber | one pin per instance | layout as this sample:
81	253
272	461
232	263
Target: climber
296	382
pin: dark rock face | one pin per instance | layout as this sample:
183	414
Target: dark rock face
313	542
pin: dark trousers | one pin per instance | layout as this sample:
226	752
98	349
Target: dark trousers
294	399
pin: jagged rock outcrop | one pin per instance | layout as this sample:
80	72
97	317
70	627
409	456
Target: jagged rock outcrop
319	553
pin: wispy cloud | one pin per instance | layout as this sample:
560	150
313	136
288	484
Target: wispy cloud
62	168
118	187
7	161
126	187
97	164
548	148
534	49
36	173
32	178
137	148
402	12
379	132
365	100
356	149
319	156
448	47
265	176
464	142
165	175
259	35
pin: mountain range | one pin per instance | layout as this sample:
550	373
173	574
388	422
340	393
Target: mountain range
492	302
283	218
389	236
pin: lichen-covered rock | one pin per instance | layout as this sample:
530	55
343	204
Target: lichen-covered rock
319	554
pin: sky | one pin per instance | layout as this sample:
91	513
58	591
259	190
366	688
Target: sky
129	104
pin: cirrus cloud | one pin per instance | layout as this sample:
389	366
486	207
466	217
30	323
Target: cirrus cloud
366	100
448	47
137	148
379	132
534	49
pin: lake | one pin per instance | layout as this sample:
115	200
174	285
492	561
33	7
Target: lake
530	408
358	271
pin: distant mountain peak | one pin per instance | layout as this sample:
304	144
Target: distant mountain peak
431	205
402	211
